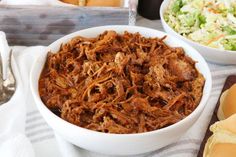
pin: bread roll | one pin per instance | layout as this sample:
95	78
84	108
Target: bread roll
227	103
223	141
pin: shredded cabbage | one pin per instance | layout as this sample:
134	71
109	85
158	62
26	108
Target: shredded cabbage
208	22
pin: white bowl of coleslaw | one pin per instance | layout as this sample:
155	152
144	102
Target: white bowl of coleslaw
209	26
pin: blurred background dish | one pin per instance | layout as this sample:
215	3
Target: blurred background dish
216	55
98	3
40	24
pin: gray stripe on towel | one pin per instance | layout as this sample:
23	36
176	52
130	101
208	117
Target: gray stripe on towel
220	73
180	151
39	131
32	113
33	119
182	142
43	138
35	125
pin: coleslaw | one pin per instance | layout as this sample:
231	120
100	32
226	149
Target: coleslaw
208	22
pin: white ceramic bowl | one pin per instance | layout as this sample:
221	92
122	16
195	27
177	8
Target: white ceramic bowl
211	54
123	144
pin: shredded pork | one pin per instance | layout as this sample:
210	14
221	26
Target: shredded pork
120	83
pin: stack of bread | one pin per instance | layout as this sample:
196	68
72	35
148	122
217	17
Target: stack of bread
223	141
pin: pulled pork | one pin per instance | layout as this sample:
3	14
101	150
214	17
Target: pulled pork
120	84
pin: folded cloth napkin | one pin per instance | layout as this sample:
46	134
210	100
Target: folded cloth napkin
38	132
13	142
19	127
45	143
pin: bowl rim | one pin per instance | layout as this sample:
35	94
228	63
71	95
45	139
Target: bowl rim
41	106
162	12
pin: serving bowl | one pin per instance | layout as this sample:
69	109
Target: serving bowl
211	54
120	144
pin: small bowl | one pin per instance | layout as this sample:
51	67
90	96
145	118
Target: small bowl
211	54
120	144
